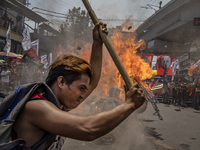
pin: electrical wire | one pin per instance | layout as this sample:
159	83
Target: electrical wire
49	11
50	14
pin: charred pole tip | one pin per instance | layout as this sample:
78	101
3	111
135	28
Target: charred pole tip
109	47
150	99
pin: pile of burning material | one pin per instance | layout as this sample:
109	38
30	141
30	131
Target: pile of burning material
157	88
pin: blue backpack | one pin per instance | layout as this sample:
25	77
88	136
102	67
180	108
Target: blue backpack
10	108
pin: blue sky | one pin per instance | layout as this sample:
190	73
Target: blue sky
114	11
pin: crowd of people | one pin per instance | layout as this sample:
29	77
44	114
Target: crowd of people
14	75
185	94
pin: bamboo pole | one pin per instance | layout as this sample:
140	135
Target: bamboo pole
117	61
109	47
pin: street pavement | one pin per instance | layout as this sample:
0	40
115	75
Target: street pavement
178	131
180	128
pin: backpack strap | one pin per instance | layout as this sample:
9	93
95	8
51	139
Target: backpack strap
14	104
19	143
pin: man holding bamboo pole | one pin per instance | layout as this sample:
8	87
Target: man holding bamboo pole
41	123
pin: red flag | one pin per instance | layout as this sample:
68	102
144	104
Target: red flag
168	59
194	69
32	53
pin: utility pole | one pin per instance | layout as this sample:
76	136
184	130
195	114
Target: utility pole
150	6
27	3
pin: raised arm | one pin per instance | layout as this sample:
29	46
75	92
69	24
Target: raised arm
96	56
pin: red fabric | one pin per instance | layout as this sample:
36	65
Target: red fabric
160	70
32	53
38	96
193	68
151	84
197	92
148	57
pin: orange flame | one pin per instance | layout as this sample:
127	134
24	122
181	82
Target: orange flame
126	45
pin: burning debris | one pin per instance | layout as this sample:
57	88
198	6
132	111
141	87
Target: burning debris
79	48
127	26
130	27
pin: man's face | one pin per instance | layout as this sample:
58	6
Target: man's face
74	94
166	60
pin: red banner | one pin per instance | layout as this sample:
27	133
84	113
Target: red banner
57	50
147	57
33	54
168	59
194	69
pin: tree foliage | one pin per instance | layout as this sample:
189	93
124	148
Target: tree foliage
78	26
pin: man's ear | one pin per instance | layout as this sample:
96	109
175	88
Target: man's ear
60	81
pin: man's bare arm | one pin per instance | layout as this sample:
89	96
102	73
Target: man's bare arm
96	57
46	116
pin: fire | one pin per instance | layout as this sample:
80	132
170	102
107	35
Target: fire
126	45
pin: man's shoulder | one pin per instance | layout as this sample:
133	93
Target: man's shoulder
39	106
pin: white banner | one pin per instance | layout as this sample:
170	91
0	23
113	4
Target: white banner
44	61
35	46
174	66
26	42
8	41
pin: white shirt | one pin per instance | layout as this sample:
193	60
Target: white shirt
5	76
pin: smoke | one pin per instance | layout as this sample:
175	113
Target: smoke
113	11
129	135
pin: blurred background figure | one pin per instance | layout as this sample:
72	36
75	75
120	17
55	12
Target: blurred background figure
5	74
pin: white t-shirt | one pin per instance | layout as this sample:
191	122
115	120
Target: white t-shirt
5	76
